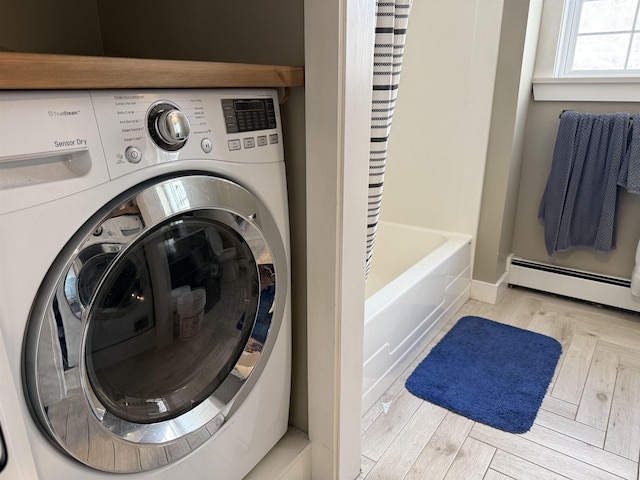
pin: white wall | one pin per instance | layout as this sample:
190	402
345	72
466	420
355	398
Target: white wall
440	130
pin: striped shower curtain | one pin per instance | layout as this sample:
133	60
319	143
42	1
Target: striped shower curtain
391	30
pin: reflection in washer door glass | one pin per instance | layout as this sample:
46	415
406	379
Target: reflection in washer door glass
184	327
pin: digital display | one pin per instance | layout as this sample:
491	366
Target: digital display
249	106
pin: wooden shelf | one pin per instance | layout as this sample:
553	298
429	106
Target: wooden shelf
44	71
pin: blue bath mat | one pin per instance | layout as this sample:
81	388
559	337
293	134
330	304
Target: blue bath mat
489	372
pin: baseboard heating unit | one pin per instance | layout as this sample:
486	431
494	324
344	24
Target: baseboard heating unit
591	287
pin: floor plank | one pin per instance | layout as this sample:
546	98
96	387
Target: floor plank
402	453
579	450
623	432
493	475
366	465
525	312
472	461
540	455
571	428
518	468
439	453
598	390
629	357
385	429
554	324
631	362
559	407
573	373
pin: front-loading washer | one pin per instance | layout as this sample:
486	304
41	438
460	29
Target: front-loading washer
144	271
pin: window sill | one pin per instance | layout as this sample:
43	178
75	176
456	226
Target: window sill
610	89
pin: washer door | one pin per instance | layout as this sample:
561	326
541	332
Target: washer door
154	322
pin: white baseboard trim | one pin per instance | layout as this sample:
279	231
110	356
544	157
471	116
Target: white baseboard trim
490	292
290	459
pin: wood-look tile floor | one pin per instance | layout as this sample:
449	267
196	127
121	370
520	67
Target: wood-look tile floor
587	428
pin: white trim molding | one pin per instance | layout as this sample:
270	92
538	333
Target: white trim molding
490	292
339	69
611	89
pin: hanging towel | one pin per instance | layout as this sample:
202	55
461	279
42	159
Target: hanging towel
629	177
580	202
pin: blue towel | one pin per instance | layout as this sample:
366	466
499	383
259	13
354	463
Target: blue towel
629	177
580	202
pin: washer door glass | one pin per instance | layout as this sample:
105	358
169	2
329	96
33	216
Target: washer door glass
155	322
168	322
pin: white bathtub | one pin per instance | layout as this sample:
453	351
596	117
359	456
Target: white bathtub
418	279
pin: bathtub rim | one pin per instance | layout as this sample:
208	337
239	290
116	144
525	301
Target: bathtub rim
397	286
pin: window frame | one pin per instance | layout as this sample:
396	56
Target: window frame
567	39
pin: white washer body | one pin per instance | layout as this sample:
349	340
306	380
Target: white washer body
73	147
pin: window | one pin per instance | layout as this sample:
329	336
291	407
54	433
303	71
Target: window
599	38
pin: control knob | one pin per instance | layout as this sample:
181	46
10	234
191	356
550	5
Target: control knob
173	127
168	126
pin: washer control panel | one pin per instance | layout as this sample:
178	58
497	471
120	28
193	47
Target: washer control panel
143	128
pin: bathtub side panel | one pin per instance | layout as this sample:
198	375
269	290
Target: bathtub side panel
399	325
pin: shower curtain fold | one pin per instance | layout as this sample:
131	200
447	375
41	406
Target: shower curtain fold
391	28
580	202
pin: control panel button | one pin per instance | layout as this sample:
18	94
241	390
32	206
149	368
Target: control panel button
262	140
133	154
206	145
249	142
234	144
273	138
